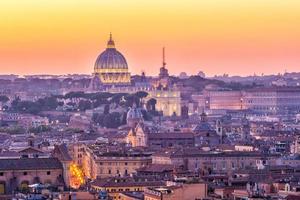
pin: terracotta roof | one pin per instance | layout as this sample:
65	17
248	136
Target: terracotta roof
125	182
30	164
156	168
194	152
64	152
171	135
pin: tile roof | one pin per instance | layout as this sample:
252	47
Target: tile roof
125	182
171	135
156	168
30	164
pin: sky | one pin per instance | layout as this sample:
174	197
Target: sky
236	37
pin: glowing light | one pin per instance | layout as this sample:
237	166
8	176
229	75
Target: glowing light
76	176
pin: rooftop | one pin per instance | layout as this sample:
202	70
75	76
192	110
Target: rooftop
30	164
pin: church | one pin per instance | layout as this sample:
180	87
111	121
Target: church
111	74
111	66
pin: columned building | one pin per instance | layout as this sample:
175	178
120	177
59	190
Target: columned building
111	66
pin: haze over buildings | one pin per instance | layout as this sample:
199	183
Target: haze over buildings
111	132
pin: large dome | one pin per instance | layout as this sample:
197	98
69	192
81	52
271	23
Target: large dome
111	58
111	66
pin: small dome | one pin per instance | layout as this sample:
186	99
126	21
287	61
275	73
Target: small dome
134	113
202	127
111	58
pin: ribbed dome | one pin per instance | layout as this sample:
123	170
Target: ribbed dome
111	58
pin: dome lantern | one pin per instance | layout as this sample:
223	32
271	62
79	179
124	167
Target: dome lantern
110	43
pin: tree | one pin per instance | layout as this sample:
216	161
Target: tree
117	98
112	120
15	103
131	99
47	103
4	99
100	95
146	115
84	105
151	104
71	95
98	118
184	112
71	104
106	109
141	94
124	118
39	129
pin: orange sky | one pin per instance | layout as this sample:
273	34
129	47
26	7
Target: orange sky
215	36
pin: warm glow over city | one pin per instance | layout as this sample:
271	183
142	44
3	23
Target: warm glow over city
149	100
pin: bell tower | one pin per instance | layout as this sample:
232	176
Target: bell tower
163	73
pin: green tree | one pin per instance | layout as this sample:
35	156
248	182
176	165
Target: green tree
14	103
98	118
151	104
40	129
71	95
112	120
84	105
106	109
4	99
141	94
132	99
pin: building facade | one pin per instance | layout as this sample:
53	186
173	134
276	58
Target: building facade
110	163
218	162
272	100
18	174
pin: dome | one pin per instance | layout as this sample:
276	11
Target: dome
134	113
111	58
202	127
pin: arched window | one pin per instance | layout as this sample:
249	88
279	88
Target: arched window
24	185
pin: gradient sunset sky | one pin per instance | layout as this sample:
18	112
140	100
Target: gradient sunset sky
216	36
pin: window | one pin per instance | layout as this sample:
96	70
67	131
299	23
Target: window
126	163
48	172
242	164
214	165
223	165
1	173
24	173
109	171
